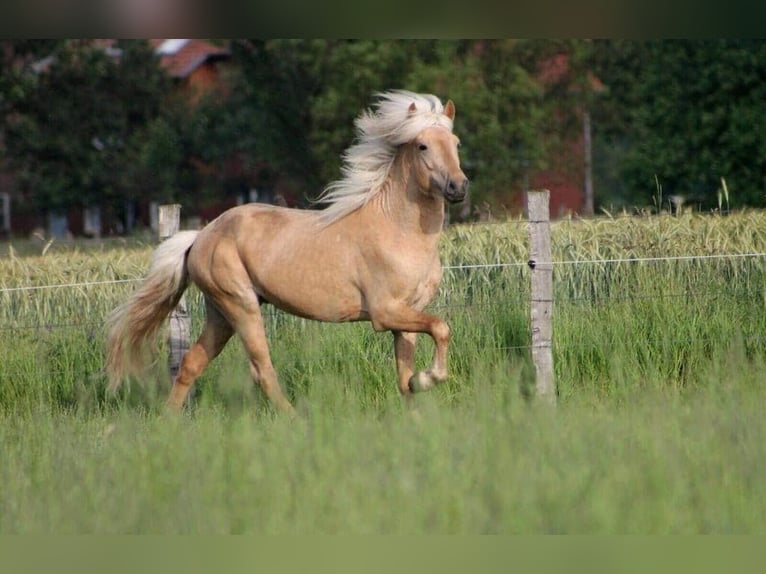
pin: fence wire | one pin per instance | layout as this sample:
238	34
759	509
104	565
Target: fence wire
460	267
92	325
272	312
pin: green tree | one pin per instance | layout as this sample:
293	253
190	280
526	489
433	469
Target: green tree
351	73
304	96
95	128
686	113
72	134
15	57
278	81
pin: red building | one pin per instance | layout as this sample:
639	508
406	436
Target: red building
568	173
194	64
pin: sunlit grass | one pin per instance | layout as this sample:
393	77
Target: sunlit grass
489	463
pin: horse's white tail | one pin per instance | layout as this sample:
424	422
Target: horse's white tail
133	326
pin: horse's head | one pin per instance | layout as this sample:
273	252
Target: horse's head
402	132
436	162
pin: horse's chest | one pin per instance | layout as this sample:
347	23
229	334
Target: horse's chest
424	288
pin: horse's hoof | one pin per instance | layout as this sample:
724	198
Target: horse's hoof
420	382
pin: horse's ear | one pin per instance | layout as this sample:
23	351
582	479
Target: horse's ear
412	109
449	110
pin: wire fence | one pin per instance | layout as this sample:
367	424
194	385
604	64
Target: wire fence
91	324
63	336
67	285
459	267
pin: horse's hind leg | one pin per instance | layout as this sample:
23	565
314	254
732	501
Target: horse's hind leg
254	338
404	350
245	316
215	334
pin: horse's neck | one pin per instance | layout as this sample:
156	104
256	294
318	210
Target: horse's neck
408	208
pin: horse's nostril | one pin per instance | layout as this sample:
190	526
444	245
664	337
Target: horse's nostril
454	186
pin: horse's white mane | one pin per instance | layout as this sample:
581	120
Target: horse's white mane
379	132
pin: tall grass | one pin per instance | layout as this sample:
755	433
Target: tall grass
486	464
658	321
659	428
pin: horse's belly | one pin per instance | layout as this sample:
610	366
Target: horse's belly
335	299
310	299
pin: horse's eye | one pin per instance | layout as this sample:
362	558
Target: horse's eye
422	147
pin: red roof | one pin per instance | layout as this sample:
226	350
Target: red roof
180	58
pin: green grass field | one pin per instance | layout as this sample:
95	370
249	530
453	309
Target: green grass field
659	426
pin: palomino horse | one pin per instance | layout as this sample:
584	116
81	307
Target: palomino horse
370	255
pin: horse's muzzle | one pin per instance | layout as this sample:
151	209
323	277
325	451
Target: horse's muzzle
455	191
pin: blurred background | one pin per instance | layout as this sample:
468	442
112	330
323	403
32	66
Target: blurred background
95	133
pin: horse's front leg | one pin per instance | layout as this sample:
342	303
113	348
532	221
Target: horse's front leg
424	380
408	320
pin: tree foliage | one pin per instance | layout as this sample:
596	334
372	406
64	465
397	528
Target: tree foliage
73	134
306	94
686	114
81	125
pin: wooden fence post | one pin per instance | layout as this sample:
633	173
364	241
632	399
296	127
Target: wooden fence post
179	326
541	307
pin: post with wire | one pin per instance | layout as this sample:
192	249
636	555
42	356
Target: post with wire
541	304
179	323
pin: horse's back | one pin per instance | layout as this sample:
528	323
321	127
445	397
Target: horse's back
283	254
